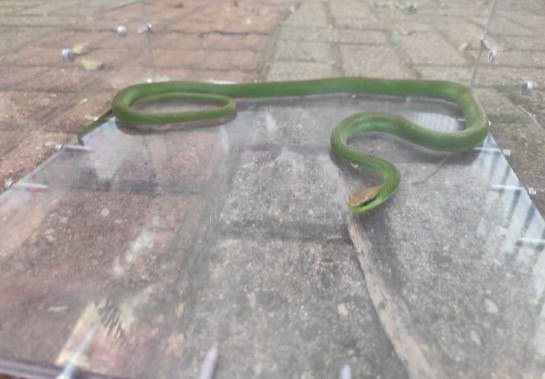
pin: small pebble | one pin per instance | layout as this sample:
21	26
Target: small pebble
491	307
180	310
475	337
91	65
57	309
341	309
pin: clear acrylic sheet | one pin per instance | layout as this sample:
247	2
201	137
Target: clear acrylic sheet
134	255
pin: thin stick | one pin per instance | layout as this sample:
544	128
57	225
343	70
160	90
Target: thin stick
531	115
417	182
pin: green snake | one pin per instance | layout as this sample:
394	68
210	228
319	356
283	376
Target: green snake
476	124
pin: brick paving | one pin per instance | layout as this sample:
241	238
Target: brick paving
39	93
45	101
355	38
340	38
113	207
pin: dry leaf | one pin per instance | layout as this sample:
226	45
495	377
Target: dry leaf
81	48
91	65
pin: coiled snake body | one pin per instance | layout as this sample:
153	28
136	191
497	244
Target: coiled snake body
476	124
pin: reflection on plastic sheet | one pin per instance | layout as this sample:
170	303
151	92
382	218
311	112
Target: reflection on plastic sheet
163	245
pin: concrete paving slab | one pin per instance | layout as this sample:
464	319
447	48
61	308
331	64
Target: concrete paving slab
256	207
35	146
16	114
501	76
529	153
10	140
304	70
332	35
304	51
80	114
430	48
370	61
16	36
260	300
505	27
309	16
498	106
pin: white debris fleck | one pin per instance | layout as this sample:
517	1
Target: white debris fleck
342	310
491	307
475	337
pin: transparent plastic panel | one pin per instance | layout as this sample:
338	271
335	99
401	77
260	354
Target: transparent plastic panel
135	254
509	78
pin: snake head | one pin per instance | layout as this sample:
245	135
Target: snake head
364	199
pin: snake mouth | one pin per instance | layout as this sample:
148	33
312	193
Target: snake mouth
364	199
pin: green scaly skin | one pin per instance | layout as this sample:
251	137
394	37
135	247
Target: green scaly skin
222	94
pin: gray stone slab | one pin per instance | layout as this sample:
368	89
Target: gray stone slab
450	8
522	58
491	75
27	3
363	37
479	268
6	10
504	27
359	23
282	309
525	16
9	140
304	51
45	9
465	31
309	16
373	61
269	198
288	70
332	35
26	21
439	18
354	14
523	44
526	141
460	74
15	37
498	107
425	48
355	9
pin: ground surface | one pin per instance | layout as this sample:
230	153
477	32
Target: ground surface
215	201
43	101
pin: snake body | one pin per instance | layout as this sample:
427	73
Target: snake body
476	124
